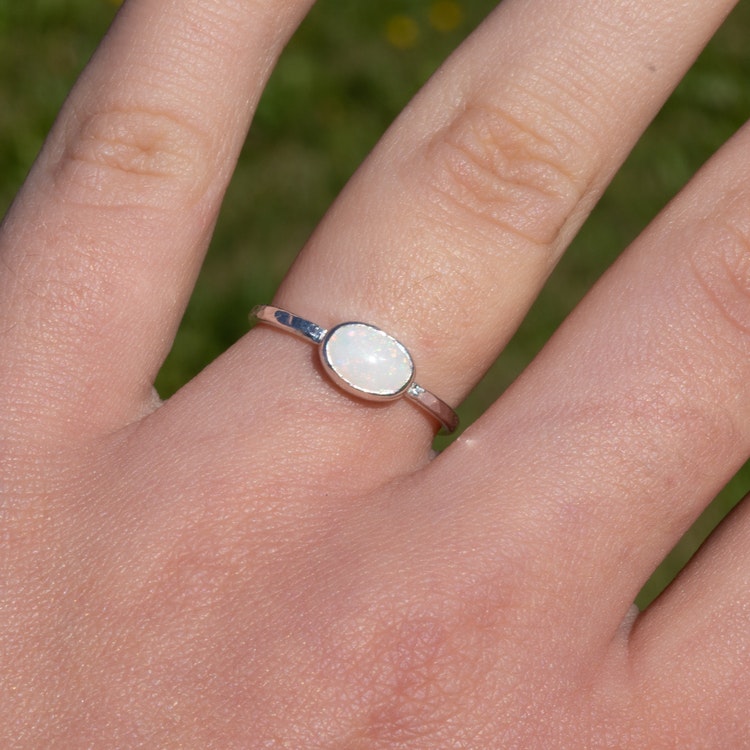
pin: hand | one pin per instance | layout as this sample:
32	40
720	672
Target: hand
263	561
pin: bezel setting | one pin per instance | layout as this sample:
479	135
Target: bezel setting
374	366
366	361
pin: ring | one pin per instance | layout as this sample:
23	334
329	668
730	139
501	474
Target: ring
363	360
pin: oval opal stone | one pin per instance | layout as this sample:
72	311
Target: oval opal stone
367	361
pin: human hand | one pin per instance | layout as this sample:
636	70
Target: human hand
265	562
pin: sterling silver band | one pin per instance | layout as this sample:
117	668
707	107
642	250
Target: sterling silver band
363	360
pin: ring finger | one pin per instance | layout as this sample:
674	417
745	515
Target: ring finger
446	234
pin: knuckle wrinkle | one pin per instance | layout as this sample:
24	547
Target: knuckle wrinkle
125	157
723	272
510	174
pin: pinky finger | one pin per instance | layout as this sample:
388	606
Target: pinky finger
691	648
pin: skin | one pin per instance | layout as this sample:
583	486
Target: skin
265	562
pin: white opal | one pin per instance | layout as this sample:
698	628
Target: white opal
367	361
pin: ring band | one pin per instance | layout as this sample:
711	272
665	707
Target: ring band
362	360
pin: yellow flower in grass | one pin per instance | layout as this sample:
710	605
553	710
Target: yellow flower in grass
446	15
402	31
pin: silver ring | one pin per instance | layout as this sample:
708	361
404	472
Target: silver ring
363	360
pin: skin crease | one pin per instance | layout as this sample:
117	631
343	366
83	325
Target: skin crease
263	561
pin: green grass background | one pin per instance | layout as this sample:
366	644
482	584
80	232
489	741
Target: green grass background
342	80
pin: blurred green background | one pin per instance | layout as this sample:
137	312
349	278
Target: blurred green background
342	80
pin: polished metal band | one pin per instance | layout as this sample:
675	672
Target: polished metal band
363	360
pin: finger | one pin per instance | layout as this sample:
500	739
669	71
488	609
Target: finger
692	642
102	246
635	415
445	236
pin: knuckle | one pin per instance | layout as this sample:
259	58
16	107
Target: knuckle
721	267
516	175
125	157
